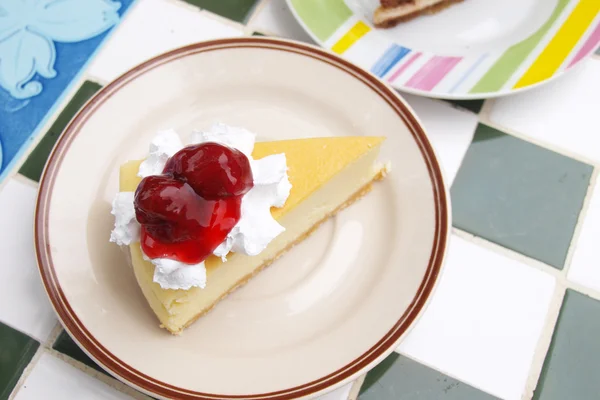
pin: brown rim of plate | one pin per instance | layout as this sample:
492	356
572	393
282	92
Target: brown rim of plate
148	384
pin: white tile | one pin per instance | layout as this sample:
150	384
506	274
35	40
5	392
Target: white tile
153	27
449	129
275	17
563	113
484	321
19	276
342	393
54	379
585	264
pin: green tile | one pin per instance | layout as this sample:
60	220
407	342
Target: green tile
571	367
471	105
34	165
16	351
519	195
400	378
66	345
237	10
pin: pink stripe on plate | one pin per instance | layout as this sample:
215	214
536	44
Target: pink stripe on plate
432	72
588	47
404	66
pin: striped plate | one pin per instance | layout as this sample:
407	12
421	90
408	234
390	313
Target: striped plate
475	49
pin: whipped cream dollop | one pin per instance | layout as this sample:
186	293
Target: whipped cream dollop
256	227
127	229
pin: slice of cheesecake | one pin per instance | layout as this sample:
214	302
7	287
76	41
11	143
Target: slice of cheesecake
392	12
327	174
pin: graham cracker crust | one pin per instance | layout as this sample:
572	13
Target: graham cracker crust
356	196
394	3
381	18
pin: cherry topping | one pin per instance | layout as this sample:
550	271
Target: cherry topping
188	211
213	170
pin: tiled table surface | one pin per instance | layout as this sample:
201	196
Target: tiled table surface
517	312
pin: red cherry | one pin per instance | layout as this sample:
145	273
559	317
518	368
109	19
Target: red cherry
178	223
163	198
212	170
189	210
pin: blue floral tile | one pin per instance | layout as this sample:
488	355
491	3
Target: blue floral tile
44	45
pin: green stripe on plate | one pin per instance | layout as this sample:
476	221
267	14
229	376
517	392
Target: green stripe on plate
510	61
322	17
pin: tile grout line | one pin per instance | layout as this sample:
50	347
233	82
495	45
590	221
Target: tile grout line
356	386
506	252
530	262
86	73
94	79
254	10
27	371
486	110
46	347
484	106
177	3
247	31
562	284
592	293
25	180
485	119
258	8
543	345
33	362
43	347
443	372
561	275
579	225
87	76
104	378
216	17
552	314
54	334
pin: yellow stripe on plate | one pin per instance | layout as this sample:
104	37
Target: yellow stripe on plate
559	48
352	36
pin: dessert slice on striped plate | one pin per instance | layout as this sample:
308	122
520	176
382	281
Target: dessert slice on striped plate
392	12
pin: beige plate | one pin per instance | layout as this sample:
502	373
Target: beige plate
324	313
